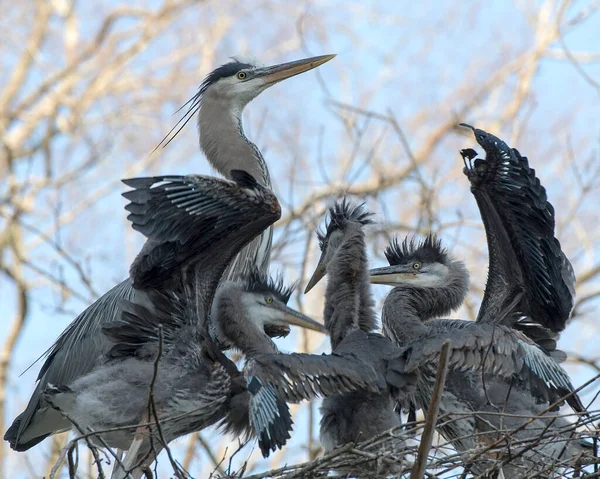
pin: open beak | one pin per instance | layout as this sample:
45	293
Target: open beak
276	73
317	276
391	275
293	317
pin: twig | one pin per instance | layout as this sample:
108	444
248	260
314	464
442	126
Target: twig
418	470
530	420
72	445
217	463
152	408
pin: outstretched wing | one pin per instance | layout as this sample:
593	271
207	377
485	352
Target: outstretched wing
493	349
195	225
523	252
300	377
275	379
367	363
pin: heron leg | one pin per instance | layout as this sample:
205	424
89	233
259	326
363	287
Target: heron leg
123	469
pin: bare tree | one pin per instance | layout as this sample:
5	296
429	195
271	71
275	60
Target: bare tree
88	89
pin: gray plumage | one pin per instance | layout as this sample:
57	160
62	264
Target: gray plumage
506	360
192	223
350	319
492	368
219	104
195	385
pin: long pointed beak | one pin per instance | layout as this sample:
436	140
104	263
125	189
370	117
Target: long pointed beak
293	317
320	272
390	275
277	73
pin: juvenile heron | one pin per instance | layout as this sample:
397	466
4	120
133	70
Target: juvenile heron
219	104
350	319
506	363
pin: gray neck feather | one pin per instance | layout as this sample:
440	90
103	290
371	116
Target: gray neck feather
223	141
226	147
440	301
407	307
400	319
233	325
348	300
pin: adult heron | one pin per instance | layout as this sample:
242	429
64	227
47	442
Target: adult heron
506	363
219	104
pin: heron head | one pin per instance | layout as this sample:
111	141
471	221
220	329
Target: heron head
266	301
414	263
238	82
342	216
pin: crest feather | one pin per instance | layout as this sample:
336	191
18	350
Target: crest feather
340	214
427	250
257	282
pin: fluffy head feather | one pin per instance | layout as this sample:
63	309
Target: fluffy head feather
258	282
428	250
342	213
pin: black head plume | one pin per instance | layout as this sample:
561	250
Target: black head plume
227	70
342	213
258	282
428	250
193	104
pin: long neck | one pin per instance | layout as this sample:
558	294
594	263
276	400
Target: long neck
348	301
400	318
233	325
223	141
226	147
442	298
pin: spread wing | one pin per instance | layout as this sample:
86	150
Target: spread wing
367	363
300	377
493	349
195	225
523	251
275	379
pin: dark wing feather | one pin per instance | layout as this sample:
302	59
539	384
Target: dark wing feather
492	349
195	225
519	222
275	379
363	361
269	416
300	377
368	363
138	325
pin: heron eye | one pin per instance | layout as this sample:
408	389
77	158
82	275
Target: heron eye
417	266
269	300
241	76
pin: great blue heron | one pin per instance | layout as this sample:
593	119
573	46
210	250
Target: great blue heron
219	103
505	363
350	319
